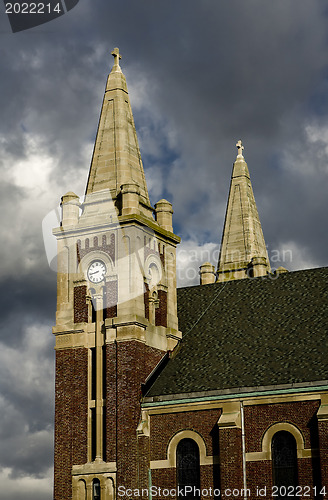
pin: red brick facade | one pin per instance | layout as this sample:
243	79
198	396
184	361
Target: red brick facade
230	450
161	311
80	304
259	418
225	445
70	417
164	427
128	365
323	444
110	300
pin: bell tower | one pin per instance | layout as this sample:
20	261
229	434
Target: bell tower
116	308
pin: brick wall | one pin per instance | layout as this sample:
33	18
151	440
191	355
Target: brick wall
260	417
111	298
231	471
128	365
259	475
167	479
164	478
323	443
80	304
71	409
161	311
164	427
146	301
227	444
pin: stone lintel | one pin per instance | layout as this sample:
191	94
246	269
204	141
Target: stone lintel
94	468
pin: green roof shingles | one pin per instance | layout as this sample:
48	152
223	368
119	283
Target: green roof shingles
254	332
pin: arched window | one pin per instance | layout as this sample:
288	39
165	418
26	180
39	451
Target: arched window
96	489
188	471
284	461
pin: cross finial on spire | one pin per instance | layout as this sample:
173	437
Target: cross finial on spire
240	148
117	56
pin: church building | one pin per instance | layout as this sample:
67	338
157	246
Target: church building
216	390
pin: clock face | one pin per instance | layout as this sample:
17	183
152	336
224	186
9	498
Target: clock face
96	271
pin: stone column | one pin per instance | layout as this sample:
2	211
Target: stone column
70	204
163	214
99	379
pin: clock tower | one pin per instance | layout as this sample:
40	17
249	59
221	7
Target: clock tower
116	310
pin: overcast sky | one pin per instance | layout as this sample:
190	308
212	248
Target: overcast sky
201	75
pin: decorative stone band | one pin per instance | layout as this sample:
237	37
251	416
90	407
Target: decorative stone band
94	468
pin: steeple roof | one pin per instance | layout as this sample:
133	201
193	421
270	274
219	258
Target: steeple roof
116	159
243	250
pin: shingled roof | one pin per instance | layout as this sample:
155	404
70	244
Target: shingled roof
250	333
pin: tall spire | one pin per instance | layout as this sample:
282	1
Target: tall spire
116	159
243	250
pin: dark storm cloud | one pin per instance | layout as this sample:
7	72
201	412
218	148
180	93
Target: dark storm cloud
32	302
201	75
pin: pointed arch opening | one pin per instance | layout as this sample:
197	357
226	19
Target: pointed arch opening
188	469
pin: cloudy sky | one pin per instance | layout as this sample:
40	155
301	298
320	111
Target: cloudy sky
201	75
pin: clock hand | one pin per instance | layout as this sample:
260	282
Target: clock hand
95	272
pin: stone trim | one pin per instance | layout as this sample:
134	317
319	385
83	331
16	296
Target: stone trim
264	392
71	340
170	461
82	485
213	403
94	468
322	413
230	420
265	454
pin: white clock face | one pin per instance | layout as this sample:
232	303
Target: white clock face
96	271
